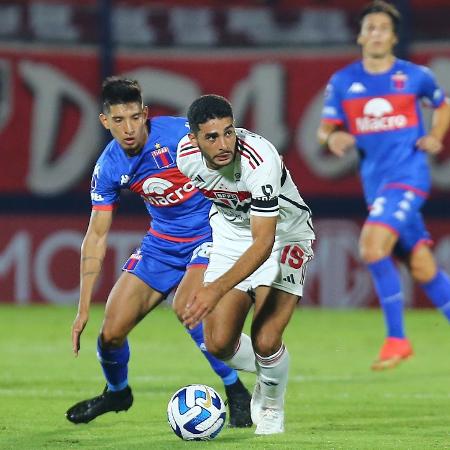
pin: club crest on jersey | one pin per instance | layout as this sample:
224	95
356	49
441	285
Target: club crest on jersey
226	196
162	157
399	80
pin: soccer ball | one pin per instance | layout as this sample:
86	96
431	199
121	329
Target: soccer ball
196	413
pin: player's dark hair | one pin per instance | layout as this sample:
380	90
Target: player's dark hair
118	91
380	6
208	107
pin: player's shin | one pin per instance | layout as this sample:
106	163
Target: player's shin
386	279
228	375
438	291
114	363
273	377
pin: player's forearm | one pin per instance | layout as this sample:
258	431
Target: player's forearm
93	252
440	122
249	261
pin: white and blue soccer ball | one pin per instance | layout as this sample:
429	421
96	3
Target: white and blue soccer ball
196	413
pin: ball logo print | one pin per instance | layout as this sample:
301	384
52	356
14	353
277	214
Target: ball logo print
196	413
378	107
156	185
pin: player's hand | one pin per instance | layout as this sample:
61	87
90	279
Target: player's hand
340	142
201	305
77	328
429	144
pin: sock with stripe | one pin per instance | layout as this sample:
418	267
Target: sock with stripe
114	363
273	377
244	356
386	279
438	291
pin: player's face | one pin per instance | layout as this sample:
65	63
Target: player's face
127	123
217	141
377	36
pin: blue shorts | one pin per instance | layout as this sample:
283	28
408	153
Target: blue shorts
399	210
161	264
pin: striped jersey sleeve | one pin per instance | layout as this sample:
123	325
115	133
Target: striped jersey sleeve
262	169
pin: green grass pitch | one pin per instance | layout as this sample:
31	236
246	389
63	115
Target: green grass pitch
333	401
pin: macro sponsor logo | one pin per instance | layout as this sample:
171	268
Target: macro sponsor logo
162	192
378	116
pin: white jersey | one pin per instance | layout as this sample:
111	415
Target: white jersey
256	183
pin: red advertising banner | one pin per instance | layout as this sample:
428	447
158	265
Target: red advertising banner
50	135
39	261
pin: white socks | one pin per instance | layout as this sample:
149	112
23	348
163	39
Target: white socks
273	377
244	356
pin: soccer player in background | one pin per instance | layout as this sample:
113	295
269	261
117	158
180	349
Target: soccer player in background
142	158
262	236
374	105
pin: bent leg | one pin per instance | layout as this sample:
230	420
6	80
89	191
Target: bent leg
128	303
434	281
376	245
223	331
191	281
273	311
237	395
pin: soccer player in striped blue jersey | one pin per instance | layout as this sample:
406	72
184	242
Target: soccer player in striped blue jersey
174	252
374	105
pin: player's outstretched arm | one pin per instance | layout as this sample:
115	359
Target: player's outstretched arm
433	141
338	141
207	297
93	251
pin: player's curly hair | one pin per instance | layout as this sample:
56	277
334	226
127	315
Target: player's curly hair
117	91
380	6
207	107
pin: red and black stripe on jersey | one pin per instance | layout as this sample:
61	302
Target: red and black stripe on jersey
248	152
188	149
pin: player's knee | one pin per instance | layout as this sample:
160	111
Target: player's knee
219	347
178	311
422	270
110	338
371	252
267	343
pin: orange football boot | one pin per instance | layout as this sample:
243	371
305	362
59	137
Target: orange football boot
393	352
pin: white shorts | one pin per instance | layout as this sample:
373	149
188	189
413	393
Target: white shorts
285	269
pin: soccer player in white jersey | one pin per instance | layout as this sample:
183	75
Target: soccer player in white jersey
262	236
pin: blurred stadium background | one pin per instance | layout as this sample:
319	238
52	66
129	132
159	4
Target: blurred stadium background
272	59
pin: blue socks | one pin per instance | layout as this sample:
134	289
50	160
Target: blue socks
386	279
115	365
228	375
114	362
438	291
